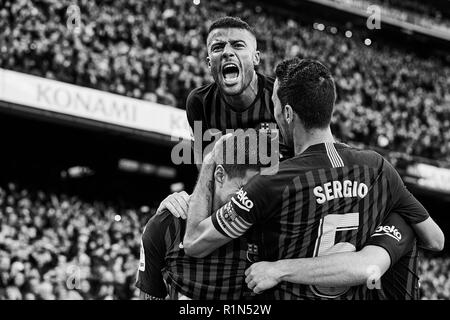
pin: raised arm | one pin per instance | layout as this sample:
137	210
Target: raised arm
201	237
430	236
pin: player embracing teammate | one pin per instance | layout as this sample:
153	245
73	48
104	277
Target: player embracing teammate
328	198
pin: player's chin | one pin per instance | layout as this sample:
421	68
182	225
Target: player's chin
232	89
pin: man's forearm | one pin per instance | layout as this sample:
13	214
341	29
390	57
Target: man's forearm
201	199
344	269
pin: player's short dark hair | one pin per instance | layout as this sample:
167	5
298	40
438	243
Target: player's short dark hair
245	146
308	87
230	23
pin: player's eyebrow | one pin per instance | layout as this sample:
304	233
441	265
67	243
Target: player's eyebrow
237	41
219	43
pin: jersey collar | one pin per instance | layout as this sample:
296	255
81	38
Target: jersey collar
320	147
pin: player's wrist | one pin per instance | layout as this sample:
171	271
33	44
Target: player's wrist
283	270
279	270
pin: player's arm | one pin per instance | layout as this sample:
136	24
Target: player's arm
149	278
201	238
334	270
430	235
205	233
385	248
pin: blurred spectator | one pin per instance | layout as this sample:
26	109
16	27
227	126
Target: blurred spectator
435	278
412	11
58	247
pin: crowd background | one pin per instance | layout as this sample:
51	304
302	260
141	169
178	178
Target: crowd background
55	246
424	14
155	50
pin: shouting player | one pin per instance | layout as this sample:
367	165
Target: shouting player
329	198
239	97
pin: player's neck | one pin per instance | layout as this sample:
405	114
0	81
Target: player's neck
304	139
246	98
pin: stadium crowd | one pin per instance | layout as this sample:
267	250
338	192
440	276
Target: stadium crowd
155	50
54	246
59	247
412	11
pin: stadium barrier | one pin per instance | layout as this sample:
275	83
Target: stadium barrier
76	101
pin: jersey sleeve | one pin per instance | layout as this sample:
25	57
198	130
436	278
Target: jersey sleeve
404	203
152	257
395	236
246	207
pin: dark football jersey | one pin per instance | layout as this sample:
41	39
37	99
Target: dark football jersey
220	275
206	106
331	198
401	280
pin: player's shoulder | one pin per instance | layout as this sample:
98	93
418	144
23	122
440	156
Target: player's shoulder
199	98
201	92
160	222
395	219
363	156
267	80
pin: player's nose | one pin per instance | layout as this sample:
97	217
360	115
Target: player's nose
228	51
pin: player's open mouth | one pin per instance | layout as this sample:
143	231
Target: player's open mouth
230	73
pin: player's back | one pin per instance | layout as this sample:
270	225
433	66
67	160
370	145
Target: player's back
328	199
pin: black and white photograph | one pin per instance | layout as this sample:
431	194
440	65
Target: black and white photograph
236	152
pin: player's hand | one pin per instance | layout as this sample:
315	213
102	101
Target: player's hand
262	276
177	203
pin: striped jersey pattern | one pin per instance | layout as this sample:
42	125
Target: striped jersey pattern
220	275
328	199
233	225
206	104
400	282
314	233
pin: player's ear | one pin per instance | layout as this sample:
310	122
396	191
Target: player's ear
219	174
288	113
256	58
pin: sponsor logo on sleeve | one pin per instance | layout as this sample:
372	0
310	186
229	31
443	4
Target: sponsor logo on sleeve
390	231
243	201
